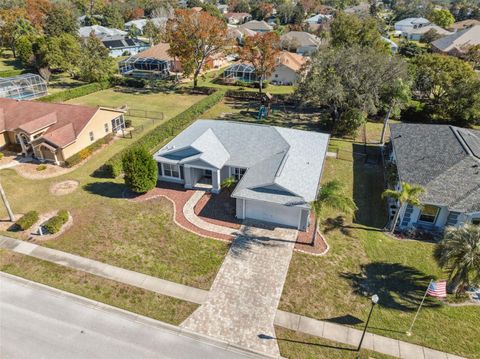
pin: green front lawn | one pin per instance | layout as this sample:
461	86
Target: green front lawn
362	261
8	62
137	300
138	236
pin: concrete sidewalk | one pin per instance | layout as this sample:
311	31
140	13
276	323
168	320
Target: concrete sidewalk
343	334
107	271
318	328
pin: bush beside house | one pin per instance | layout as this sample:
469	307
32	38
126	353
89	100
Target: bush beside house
157	136
27	220
140	170
87	151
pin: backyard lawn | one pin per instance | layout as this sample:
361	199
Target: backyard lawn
363	261
137	236
8	62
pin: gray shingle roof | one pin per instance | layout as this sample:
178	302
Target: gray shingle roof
283	165
443	159
459	40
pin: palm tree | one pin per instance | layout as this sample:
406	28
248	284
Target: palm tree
7	204
331	196
229	183
408	194
459	254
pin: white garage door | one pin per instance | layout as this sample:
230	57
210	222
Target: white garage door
268	212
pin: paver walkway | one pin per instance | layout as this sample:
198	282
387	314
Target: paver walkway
104	270
244	297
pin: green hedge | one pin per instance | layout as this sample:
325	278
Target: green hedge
87	151
76	92
54	224
27	220
157	136
11	73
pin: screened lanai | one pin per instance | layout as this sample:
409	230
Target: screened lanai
23	87
144	67
241	72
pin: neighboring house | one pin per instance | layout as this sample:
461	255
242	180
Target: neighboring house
54	132
117	41
257	26
222	8
235	18
418	33
154	62
139	24
318	19
411	23
361	9
460	25
287	70
459	42
300	42
239	33
445	161
278	169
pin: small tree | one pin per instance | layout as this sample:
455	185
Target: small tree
141	171
193	38
229	183
459	254
331	195
400	94
408	194
442	17
95	62
261	50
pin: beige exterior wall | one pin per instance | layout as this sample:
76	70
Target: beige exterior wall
3	139
284	74
95	125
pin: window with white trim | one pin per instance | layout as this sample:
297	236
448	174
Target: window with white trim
170	170
92	137
238	173
429	214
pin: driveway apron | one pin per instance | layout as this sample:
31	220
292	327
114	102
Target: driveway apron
241	305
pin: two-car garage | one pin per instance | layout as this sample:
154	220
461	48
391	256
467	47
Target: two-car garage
269	212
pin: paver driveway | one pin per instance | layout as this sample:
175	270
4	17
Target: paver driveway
243	300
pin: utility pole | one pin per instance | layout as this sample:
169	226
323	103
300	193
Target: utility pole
7	205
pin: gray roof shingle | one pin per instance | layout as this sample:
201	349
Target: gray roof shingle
283	165
443	159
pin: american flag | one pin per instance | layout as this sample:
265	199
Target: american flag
437	289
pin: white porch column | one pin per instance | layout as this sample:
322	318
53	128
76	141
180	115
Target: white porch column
216	183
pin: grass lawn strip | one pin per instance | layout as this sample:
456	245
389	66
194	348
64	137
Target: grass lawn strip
133	299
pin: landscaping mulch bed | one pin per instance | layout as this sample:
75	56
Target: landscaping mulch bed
179	196
218	209
64	187
304	240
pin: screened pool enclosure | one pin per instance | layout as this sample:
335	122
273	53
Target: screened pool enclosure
144	67
240	72
23	87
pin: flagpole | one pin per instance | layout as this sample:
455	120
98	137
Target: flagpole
409	332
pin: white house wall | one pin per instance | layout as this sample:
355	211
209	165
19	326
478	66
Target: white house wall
284	74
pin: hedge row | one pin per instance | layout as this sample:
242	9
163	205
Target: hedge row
54	224
87	151
157	136
27	220
10	73
76	92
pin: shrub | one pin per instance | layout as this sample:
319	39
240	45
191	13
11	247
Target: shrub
128	123
156	137
27	220
128	82
54	224
87	151
41	167
76	92
140	170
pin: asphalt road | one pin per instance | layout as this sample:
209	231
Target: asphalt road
39	322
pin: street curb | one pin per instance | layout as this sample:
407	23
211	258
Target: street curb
139	318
